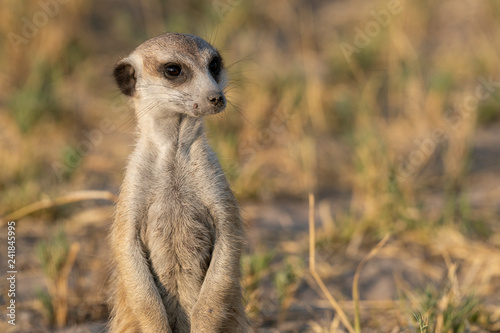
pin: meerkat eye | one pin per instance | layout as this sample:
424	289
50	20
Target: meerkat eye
215	66
172	70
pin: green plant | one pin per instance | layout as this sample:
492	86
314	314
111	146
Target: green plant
422	322
287	277
57	258
52	254
37	97
448	311
44	297
256	267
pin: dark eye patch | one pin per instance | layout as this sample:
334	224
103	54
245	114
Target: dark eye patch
215	66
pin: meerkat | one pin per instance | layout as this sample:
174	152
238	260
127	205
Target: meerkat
177	235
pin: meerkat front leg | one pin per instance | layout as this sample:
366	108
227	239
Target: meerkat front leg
214	312
219	307
140	294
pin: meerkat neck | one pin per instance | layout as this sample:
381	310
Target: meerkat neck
173	132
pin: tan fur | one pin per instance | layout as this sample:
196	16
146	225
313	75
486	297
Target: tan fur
177	236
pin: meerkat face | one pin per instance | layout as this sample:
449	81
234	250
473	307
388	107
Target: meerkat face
174	73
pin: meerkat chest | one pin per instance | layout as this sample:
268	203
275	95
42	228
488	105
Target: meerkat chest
179	231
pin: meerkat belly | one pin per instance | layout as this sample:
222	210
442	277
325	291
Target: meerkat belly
179	237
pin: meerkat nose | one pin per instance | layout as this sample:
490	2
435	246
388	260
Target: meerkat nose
216	98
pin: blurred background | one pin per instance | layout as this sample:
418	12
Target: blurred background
388	111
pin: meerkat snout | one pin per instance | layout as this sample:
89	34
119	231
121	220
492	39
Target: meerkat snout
175	73
217	100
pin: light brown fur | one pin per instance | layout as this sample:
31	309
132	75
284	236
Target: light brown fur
177	236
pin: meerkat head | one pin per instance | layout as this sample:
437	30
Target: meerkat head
173	73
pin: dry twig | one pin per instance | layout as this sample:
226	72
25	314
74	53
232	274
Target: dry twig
355	283
65	199
312	268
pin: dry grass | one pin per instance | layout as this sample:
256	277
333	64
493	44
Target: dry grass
404	131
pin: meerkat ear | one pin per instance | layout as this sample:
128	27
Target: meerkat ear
125	77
